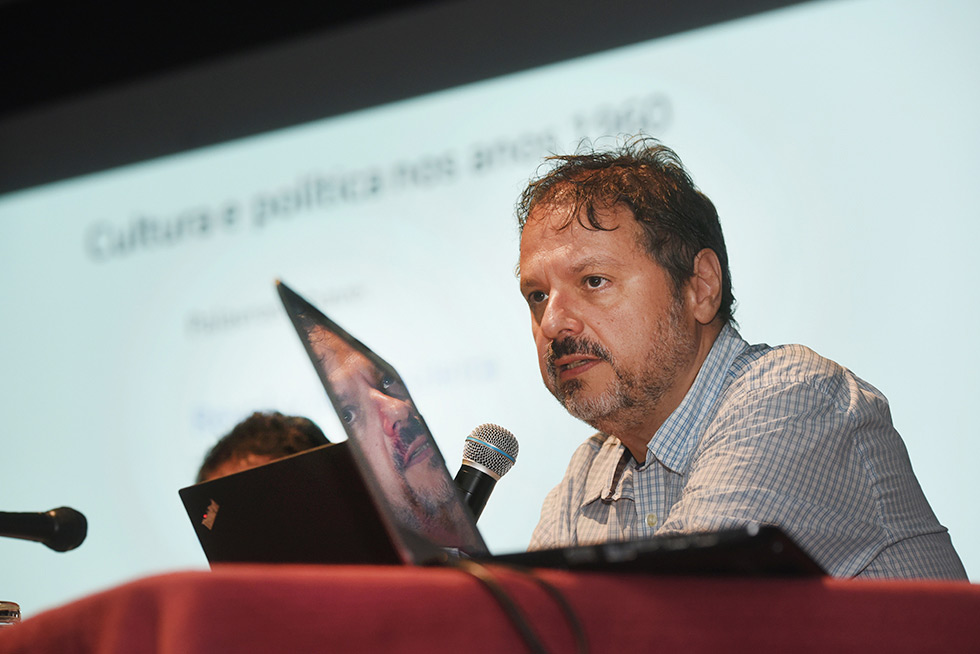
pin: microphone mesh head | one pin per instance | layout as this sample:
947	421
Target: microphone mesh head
491	447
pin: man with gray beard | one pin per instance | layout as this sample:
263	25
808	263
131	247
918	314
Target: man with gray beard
624	268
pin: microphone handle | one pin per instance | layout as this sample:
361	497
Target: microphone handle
38	527
475	487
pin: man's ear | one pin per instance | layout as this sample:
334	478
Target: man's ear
704	287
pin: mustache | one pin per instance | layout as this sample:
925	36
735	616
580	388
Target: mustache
407	431
569	345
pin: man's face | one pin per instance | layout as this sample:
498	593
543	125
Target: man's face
613	337
378	408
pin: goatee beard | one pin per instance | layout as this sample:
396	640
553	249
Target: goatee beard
635	391
572	393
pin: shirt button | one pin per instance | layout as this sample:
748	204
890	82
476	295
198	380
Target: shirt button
651	520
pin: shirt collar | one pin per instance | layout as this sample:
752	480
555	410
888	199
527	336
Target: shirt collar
676	439
605	477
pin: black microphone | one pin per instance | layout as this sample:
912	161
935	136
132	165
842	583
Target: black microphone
488	453
61	529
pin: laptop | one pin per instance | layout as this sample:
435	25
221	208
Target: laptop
385	495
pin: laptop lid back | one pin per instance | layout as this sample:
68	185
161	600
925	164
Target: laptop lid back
310	507
390	444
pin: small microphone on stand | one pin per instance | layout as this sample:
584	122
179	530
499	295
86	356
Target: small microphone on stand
489	453
61	529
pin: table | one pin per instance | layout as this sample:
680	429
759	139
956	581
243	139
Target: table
308	608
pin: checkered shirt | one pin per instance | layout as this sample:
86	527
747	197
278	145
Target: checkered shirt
768	435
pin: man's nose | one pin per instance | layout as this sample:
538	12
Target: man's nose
392	411
560	317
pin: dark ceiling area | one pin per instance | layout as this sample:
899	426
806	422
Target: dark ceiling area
54	49
88	86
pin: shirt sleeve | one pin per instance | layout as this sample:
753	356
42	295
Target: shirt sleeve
556	526
817	457
546	534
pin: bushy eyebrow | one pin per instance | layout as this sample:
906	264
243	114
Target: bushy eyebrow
593	262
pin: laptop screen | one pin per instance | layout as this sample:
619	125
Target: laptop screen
389	440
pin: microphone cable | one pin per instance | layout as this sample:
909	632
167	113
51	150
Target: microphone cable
515	614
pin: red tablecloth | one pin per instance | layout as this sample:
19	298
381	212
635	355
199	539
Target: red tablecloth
242	609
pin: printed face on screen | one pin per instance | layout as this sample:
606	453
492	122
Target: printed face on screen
389	431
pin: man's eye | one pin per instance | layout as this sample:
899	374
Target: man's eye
348	415
534	297
393	387
594	281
